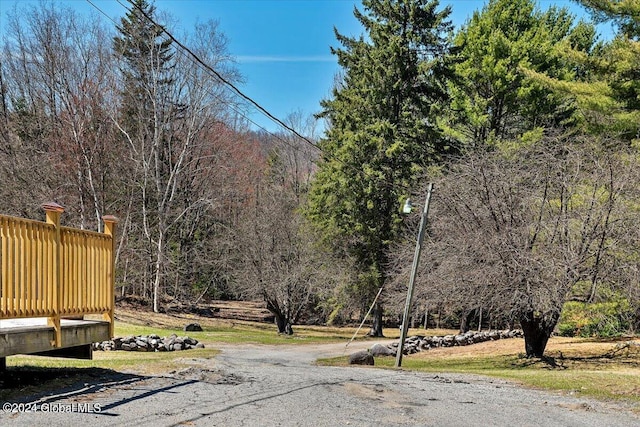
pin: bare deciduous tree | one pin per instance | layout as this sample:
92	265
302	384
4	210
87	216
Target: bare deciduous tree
516	231
173	112
280	261
280	258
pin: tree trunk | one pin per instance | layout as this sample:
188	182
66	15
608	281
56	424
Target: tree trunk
537	330
376	327
282	321
426	318
466	319
283	324
158	272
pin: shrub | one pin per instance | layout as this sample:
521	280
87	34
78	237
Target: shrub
605	319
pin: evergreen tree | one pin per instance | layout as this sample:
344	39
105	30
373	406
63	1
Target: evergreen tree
607	90
616	94
493	97
146	58
382	132
625	14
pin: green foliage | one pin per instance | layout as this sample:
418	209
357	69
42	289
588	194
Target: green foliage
146	57
382	129
493	97
605	319
624	13
606	88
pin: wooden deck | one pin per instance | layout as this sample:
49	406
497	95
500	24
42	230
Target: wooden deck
52	277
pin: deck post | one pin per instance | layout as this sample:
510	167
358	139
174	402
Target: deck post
110	230
53	212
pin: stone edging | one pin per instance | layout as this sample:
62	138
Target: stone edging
418	343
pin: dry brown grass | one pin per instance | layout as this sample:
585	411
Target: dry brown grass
169	321
176	321
558	347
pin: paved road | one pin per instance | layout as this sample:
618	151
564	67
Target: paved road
278	386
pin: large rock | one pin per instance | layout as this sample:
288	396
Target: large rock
461	340
361	358
381	350
191	327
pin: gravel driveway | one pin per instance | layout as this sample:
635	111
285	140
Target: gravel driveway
279	386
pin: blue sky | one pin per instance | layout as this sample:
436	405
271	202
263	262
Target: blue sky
282	46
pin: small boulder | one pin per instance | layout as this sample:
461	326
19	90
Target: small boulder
193	327
448	340
361	358
381	350
461	340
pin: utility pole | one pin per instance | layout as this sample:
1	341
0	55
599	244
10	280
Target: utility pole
412	280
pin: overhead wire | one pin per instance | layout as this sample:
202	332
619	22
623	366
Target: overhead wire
230	105
244	96
199	62
221	77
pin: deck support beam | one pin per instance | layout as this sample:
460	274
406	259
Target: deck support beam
37	338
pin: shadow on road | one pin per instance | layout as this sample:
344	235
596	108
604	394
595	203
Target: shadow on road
29	383
33	384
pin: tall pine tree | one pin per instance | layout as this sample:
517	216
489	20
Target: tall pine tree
382	132
619	67
146	57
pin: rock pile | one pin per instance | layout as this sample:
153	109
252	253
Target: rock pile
418	343
149	343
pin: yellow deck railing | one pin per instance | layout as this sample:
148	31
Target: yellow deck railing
53	271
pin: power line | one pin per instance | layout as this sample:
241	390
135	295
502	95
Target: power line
207	67
201	64
223	79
